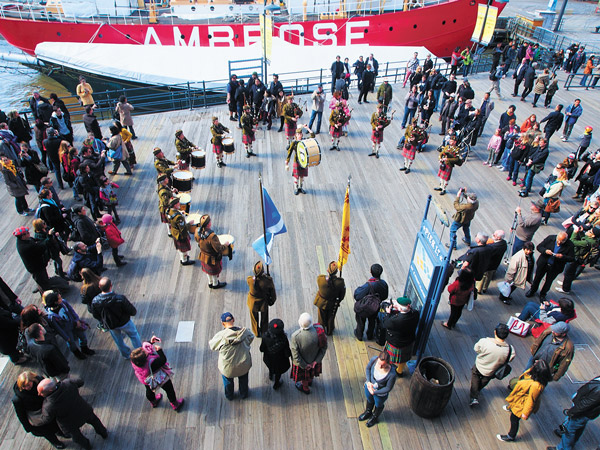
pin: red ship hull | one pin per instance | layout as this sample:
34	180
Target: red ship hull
439	28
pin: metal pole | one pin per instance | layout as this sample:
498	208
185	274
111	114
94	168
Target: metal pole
264	220
560	15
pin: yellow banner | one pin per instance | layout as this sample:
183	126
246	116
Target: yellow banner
345	243
266	35
490	24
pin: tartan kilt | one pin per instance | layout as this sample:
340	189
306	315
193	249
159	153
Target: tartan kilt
248	138
409	152
335	132
163	218
377	137
218	149
299	171
212	269
290	130
399	355
299	374
445	172
183	245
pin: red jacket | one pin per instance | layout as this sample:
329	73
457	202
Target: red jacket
113	235
458	297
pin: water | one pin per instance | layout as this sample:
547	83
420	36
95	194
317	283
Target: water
18	82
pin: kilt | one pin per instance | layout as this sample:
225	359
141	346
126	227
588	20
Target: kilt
232	106
299	171
248	138
212	269
183	245
377	137
299	374
445	172
163	218
290	130
399	355
335	132
218	149
409	152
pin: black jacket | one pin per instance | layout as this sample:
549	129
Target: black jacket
86	228
538	155
33	254
567	250
54	123
29	401
587	401
449	109
9	332
497	252
449	87
379	287
92	126
554	119
48	357
52	146
520	72
466	92
66	406
437	81
337	69
401	328
112	310
478	259
96	164
33	105
275	88
530	77
505	119
52	215
368	79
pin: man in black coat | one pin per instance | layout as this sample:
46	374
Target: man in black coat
88	233
448	89
478	258
91	122
436	81
401	327
52	146
9	336
555	121
536	159
586	407
257	91
337	71
359	68
62	124
447	114
519	75
275	86
63	403
33	103
461	116
48	356
555	252
374	285
368	82
497	250
528	80
94	161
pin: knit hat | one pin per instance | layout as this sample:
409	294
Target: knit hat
204	220
403	301
156	151
539	204
588	129
162	177
276	327
178	132
226	317
332	268
20	231
560	328
106	219
259	268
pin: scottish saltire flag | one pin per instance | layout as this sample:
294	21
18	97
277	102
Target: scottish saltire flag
273	224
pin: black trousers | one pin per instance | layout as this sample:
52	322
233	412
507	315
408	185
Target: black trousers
514	425
167	387
478	382
363	94
361	322
542	270
79	438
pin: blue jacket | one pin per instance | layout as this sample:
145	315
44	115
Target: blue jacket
383	386
63	327
80	260
575	111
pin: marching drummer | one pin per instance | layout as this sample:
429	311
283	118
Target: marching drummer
299	172
211	252
165	195
162	164
449	157
218	130
248	135
179	232
184	149
379	121
290	114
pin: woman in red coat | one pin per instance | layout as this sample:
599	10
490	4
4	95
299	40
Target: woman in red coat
113	236
460	291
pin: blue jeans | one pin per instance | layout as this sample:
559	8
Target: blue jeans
436	96
583	80
377	399
529	180
531	310
228	384
505	156
131	331
76	333
507	162
409	113
465	70
517	245
319	116
466	229
513	169
574	427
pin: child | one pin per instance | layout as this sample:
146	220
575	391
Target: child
494	147
584	143
113	236
108	195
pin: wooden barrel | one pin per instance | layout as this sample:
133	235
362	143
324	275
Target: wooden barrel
431	387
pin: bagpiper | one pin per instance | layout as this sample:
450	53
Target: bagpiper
379	121
337	120
184	150
165	195
412	140
291	113
299	172
218	130
179	231
248	134
449	157
162	164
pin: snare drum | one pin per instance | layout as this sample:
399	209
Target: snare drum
228	146
227	251
309	153
185	201
182	180
199	159
192	221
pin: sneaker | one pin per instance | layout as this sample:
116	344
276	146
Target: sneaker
514	183
561	290
474	402
157	400
501	169
508	178
177	406
506	408
504	437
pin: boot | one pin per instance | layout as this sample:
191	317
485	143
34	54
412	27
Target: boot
157	399
177	405
375	417
368	412
119	262
78	354
87	351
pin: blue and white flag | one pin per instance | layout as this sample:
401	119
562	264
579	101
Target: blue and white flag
274	225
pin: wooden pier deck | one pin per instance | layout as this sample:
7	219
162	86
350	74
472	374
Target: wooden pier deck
387	207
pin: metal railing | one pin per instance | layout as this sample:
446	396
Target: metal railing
581	81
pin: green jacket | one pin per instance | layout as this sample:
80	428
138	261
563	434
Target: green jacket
583	245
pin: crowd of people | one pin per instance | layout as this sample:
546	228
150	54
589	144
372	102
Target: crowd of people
45	400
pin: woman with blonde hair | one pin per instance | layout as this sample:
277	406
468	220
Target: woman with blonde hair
554	189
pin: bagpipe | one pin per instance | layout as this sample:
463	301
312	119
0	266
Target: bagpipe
448	153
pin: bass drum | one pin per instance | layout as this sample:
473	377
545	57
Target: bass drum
309	153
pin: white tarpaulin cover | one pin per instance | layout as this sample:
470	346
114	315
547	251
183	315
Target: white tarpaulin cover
90	8
155	64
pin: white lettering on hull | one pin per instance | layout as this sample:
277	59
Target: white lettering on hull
151	34
320	33
221	34
179	38
352	35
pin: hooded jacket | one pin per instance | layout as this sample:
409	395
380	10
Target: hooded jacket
233	345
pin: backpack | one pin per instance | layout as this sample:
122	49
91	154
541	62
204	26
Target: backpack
368	305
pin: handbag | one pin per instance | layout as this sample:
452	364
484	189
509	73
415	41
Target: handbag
518	327
41	168
504	370
504	288
553	205
117	154
156	379
471	302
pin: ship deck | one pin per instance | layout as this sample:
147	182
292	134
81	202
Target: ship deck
386	210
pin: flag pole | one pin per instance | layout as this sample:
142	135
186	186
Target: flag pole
348	189
264	220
